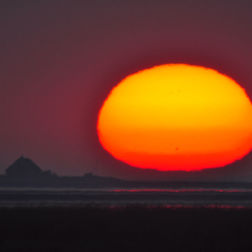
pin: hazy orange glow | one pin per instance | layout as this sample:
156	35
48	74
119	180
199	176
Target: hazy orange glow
176	117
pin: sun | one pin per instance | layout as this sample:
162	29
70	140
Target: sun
176	117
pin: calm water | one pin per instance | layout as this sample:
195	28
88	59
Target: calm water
223	198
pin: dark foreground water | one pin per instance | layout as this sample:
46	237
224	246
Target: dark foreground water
225	198
131	228
176	220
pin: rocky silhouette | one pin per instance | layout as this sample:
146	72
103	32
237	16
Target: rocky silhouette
26	173
23	168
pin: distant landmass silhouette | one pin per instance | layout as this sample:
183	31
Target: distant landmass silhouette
26	168
26	173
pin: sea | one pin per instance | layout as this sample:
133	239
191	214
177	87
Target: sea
124	197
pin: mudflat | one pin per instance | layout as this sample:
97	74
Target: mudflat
134	228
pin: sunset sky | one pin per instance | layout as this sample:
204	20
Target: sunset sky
60	59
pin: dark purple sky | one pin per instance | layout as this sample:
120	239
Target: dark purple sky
59	60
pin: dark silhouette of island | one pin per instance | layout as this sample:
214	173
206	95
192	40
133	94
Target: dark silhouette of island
26	168
26	173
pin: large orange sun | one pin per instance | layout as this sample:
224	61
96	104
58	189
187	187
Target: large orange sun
176	117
